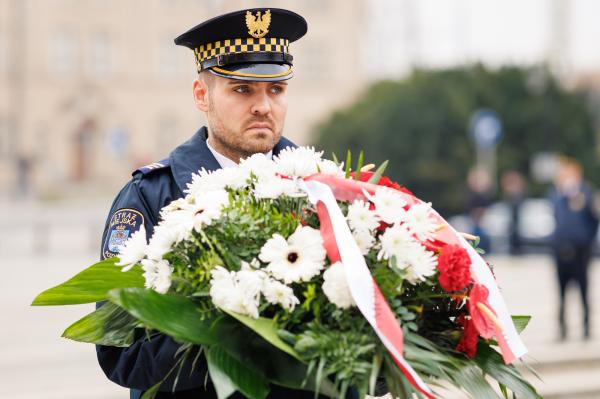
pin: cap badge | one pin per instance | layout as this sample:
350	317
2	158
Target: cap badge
258	26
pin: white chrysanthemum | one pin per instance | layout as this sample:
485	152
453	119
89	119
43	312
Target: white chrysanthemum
328	167
298	162
419	221
360	217
259	165
394	241
234	178
204	181
300	258
207	207
278	293
162	240
389	204
238	292
157	275
133	250
423	264
275	187
335	286
364	239
175	205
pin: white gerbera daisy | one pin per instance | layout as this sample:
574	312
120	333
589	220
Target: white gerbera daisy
278	293
394	241
157	275
419	221
335	286
133	250
300	258
207	207
364	239
360	218
298	162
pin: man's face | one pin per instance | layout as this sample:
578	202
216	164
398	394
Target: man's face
243	117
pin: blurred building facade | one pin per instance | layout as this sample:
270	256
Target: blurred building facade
92	89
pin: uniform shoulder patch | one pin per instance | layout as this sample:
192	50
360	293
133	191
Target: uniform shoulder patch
123	223
153	166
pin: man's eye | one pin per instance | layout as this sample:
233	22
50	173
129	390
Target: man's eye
242	89
276	89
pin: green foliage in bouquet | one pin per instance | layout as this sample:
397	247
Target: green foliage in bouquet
238	268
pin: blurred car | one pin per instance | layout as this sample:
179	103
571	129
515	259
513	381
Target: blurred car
535	225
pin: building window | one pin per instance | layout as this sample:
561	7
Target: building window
100	57
64	53
171	60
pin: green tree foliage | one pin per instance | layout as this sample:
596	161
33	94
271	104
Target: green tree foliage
420	124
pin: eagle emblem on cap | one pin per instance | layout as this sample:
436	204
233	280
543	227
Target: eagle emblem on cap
258	25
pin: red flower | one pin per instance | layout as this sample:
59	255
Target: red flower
454	265
481	312
383	181
468	341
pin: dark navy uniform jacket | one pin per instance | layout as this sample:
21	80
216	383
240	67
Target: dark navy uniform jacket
147	361
576	220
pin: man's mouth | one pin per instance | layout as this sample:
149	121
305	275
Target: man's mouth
260	125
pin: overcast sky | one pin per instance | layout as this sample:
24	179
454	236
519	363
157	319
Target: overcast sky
449	32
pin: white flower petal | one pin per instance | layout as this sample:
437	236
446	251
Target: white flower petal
335	286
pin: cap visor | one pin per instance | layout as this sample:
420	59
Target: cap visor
267	72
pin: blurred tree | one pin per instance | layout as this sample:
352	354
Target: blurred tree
420	124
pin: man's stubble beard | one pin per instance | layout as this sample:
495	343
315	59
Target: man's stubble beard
234	142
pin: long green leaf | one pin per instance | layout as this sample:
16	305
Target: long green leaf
491	363
521	322
378	173
109	325
253	350
267	329
229	375
348	164
91	285
176	316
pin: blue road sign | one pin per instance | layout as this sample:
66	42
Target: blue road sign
485	128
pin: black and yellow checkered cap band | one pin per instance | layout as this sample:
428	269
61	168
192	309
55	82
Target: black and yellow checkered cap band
246	45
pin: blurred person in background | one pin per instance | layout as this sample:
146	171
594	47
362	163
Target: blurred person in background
513	189
479	198
576	225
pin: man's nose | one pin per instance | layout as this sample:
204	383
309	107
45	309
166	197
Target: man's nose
261	105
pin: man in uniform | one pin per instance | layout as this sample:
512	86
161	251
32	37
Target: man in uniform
243	61
574	236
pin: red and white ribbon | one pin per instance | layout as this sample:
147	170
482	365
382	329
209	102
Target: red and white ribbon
363	288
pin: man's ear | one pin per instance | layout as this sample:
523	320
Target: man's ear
200	90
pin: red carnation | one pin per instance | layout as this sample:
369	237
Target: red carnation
454	265
383	181
468	341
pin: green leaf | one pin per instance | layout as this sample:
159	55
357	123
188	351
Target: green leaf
108	325
91	285
378	173
279	367
151	393
348	160
267	329
491	363
176	316
521	322
229	375
359	165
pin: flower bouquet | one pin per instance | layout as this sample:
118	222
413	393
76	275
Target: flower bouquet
299	272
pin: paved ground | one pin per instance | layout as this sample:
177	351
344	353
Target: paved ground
36	363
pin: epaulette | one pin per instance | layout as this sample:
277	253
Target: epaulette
154	166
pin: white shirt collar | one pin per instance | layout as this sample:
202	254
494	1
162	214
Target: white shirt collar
226	162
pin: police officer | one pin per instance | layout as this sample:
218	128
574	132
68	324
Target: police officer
574	236
243	61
